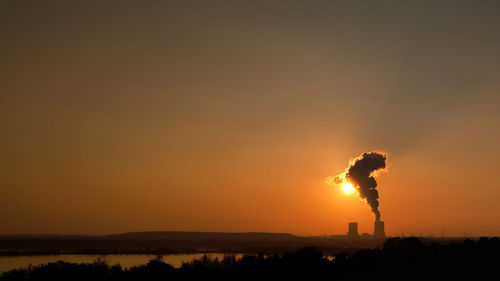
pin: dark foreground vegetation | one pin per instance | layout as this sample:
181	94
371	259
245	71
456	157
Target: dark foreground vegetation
398	259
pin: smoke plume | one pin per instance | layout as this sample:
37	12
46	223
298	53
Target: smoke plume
361	173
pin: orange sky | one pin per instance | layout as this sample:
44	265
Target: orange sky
124	116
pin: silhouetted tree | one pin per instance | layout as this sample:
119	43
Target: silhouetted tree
399	259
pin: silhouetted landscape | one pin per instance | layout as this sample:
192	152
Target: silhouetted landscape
293	140
398	259
177	242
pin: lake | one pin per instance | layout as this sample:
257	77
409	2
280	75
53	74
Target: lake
12	262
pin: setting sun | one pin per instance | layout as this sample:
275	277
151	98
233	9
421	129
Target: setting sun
348	188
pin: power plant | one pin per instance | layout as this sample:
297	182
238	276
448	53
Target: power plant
353	230
378	231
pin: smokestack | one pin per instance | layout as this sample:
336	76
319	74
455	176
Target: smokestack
378	230
353	230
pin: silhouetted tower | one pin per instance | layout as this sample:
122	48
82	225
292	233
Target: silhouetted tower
353	230
378	231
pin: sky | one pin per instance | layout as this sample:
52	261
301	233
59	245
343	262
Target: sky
122	116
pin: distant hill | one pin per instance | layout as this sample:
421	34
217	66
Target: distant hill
186	235
36	236
165	242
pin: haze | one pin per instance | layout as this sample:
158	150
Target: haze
228	116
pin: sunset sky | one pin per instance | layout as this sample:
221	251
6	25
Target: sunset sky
121	116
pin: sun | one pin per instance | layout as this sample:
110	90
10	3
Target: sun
348	188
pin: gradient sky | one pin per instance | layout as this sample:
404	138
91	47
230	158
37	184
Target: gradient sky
228	116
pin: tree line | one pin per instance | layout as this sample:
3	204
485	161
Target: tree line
397	259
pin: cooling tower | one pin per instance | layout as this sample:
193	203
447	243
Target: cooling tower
378	231
353	230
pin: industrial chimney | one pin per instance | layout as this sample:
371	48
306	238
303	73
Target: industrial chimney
353	230
378	231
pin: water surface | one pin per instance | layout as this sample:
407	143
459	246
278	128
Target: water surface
12	262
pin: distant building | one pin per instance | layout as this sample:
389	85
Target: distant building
378	230
365	236
353	230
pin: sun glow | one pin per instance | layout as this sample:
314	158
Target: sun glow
348	188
